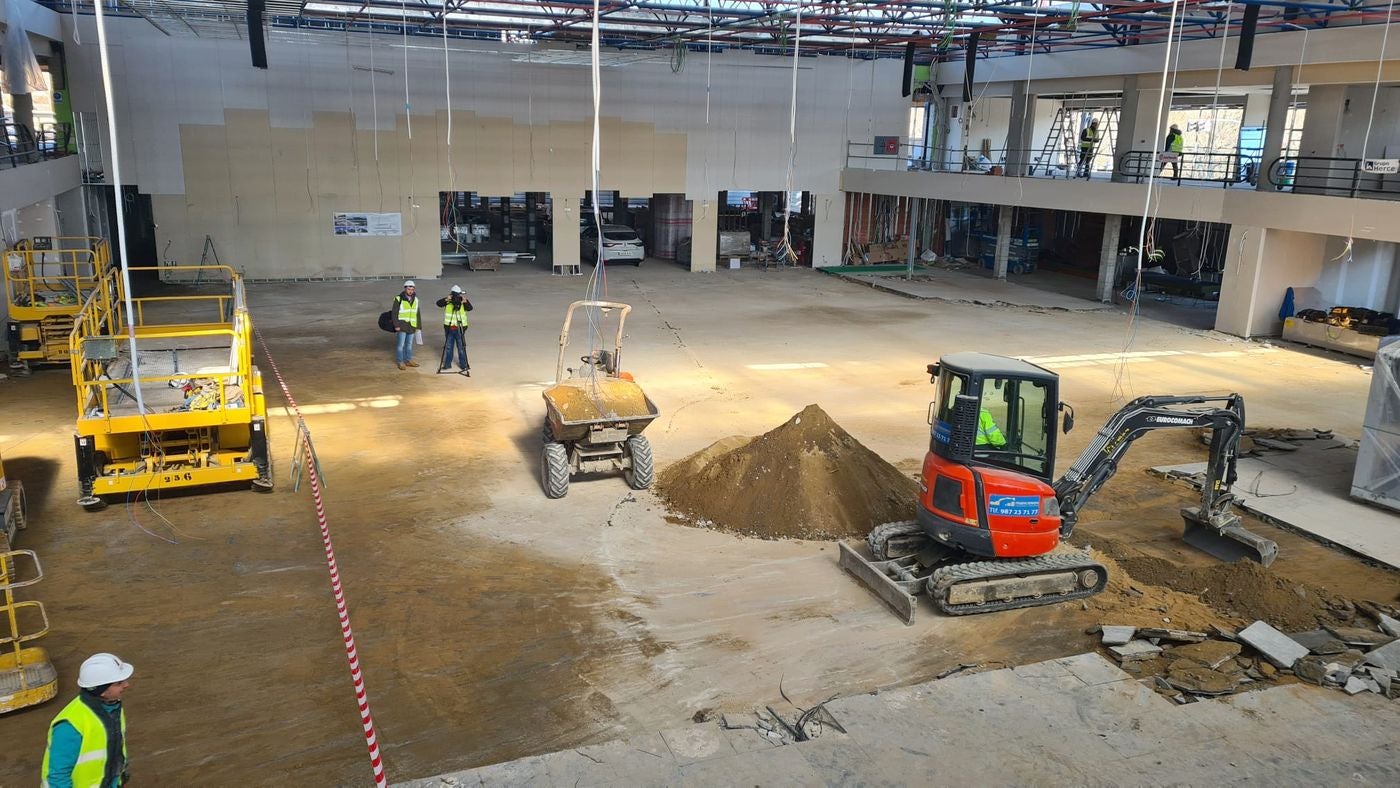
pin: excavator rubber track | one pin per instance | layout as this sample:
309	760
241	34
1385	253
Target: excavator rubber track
991	586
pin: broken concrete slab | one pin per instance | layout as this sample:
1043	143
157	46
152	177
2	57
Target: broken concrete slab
1211	653
1275	646
1176	635
1311	668
1363	638
1117	636
1336	673
1135	651
1389	625
1381	675
1319	641
1197	679
1387	656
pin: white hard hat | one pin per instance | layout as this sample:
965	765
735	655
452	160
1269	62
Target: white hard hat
101	669
456	289
409	283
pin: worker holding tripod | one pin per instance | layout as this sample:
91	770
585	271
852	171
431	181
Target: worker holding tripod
454	327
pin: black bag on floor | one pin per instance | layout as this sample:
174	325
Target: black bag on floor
386	321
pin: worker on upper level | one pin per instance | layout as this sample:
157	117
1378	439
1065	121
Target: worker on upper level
1171	152
988	433
87	740
1088	143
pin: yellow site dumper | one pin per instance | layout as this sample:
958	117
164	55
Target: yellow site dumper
27	677
594	417
47	280
205	418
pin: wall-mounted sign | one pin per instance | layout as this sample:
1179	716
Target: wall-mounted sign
887	146
367	224
1381	166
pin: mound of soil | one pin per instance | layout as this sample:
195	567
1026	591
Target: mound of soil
807	479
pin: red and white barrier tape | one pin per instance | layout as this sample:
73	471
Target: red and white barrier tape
376	760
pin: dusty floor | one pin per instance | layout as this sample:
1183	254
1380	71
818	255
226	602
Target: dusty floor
495	623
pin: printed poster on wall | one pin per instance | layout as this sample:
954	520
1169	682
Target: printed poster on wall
368	224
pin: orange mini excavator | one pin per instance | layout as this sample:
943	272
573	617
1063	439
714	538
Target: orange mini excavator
991	515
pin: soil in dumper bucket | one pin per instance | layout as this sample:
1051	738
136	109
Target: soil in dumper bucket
807	479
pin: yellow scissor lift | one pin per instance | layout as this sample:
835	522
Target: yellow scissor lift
27	677
47	280
205	419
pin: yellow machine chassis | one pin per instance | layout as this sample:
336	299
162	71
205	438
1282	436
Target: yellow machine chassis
123	451
45	289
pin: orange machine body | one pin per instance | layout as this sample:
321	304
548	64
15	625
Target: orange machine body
987	511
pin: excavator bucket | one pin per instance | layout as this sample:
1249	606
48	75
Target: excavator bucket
1225	538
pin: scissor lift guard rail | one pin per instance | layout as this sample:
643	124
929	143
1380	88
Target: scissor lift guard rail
47	281
205	417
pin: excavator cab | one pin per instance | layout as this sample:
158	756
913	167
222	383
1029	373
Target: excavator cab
998	412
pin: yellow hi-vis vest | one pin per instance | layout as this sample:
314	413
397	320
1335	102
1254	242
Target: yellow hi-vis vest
92	756
454	315
408	311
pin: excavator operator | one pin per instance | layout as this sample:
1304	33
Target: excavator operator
988	433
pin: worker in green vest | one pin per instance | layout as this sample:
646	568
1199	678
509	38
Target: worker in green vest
454	328
1088	143
1172	150
408	319
988	433
87	740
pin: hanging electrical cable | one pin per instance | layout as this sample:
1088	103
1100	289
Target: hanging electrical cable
119	205
709	54
1219	69
786	253
1376	89
407	105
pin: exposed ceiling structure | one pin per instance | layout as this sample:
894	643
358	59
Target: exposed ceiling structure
850	28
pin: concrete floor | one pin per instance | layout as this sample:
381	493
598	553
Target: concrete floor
494	623
1095	725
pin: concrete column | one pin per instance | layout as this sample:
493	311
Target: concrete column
704	234
829	211
765	216
564	229
913	242
23	104
1127	124
1003	252
1274	127
1108	257
1016	131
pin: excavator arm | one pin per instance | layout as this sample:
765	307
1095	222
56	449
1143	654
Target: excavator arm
1213	526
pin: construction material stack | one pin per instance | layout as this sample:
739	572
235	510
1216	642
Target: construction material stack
47	281
204	419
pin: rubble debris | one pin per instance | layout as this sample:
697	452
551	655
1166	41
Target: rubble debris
1381	675
1311	668
806	479
1117	636
1273	645
1210	653
1135	651
1200	680
1318	641
1225	632
1389	625
1363	638
1177	635
955	669
1267	670
1387	656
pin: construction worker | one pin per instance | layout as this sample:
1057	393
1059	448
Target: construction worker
454	328
1171	152
87	740
1088	142
988	433
408	318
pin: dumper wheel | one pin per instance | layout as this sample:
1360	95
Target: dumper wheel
547	432
554	470
641	474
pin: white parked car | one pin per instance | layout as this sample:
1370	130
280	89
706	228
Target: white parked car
621	244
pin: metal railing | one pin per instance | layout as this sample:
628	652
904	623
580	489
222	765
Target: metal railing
19	145
1333	177
99	329
1016	162
53	275
1222	168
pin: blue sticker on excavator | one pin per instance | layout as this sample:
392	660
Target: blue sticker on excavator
942	431
1014	505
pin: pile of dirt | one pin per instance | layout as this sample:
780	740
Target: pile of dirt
1242	591
1131	601
807	479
